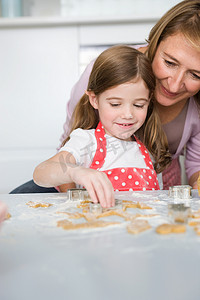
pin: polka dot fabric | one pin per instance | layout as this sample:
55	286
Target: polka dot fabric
125	179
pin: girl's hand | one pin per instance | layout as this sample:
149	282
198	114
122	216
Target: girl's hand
96	183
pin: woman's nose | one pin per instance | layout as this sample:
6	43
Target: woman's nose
176	81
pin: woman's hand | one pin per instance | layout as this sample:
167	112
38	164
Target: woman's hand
96	183
193	180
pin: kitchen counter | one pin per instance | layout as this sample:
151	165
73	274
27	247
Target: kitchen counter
39	260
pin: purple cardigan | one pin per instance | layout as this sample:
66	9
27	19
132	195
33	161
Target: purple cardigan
191	132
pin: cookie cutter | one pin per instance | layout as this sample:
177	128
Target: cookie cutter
76	194
178	212
180	192
96	208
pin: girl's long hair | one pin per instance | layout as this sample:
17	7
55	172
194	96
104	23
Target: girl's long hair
183	18
115	66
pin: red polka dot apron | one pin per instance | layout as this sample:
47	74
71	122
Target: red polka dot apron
128	178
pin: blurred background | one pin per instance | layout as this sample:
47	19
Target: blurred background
45	46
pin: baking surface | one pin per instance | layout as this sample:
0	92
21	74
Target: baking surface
39	260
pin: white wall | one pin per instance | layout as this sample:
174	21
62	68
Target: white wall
39	63
38	67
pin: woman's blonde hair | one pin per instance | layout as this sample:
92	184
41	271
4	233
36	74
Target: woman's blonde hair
183	18
115	66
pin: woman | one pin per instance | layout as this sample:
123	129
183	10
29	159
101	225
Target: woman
174	50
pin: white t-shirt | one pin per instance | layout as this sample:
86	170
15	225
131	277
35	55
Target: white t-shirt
82	145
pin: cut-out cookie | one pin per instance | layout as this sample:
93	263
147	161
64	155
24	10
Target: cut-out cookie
113	212
170	228
138	226
139	205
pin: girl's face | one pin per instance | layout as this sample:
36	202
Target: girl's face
123	108
176	66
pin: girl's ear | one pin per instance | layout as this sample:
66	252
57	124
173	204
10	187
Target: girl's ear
92	98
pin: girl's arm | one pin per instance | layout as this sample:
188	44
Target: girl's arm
62	169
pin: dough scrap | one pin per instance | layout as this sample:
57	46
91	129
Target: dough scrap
138	226
170	228
194	223
67	225
90	216
36	204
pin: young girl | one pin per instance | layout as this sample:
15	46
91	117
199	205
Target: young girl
112	119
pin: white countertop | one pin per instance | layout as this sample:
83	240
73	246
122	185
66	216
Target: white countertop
39	260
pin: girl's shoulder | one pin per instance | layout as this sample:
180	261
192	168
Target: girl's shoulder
82	132
80	138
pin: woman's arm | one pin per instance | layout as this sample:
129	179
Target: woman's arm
62	169
193	180
192	160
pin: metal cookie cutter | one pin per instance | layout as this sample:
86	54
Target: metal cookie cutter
96	208
180	192
76	194
178	213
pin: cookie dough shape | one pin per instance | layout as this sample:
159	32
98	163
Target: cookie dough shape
139	205
138	226
170	228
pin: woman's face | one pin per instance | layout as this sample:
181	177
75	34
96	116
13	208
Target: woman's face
176	66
